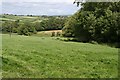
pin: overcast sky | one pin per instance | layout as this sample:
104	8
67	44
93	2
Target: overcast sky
39	7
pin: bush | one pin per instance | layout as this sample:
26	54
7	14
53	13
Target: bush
26	29
14	30
93	42
58	34
28	34
53	34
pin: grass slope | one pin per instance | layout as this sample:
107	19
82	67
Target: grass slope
45	57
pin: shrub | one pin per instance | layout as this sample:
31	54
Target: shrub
58	34
28	34
53	34
93	42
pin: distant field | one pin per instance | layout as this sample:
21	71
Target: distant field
46	57
47	33
21	18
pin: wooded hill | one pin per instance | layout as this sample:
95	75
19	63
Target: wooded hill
30	24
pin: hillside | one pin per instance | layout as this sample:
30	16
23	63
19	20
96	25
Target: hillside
22	18
46	57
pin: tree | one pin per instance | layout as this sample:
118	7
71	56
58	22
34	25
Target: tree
97	21
26	29
7	26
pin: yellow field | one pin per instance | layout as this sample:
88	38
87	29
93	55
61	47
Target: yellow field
48	33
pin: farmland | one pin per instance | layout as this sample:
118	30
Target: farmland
22	18
48	57
29	25
57	41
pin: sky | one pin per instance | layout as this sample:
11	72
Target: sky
39	7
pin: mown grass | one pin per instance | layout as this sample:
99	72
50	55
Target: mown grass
46	57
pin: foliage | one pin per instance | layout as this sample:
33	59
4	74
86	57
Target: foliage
53	34
95	22
26	29
27	25
7	26
53	23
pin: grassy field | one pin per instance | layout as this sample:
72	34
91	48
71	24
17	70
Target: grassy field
46	57
21	18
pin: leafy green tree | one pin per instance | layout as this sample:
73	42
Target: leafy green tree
7	27
26	29
97	21
38	26
52	23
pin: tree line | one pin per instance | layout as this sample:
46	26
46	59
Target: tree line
29	28
95	21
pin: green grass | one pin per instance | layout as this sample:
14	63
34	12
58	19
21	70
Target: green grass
21	18
5	19
46	57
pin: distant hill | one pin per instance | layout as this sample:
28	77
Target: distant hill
30	18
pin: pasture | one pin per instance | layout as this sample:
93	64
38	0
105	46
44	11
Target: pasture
47	57
22	19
